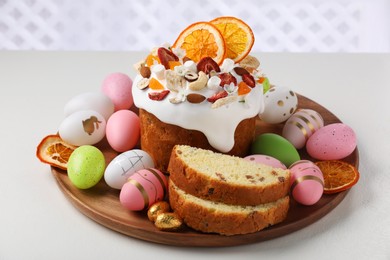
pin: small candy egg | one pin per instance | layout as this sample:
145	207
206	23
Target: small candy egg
90	101
157	208
307	182
84	127
301	125
86	166
124	165
332	142
267	160
168	221
143	189
123	130
279	104
117	86
275	146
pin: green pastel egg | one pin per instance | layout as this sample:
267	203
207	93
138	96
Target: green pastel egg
275	146
86	166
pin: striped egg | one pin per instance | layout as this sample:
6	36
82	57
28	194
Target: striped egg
301	125
143	189
307	182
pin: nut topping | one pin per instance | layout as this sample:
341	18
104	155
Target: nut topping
195	98
143	83
190	76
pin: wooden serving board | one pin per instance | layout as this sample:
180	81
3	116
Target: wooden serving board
101	203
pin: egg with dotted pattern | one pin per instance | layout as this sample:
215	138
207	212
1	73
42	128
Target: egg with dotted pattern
332	142
279	104
265	159
86	166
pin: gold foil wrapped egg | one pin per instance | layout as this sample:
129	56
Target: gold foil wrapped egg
157	208
168	221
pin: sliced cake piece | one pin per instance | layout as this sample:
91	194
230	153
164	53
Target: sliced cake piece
224	178
215	217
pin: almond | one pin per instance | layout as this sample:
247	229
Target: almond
240	71
195	98
145	71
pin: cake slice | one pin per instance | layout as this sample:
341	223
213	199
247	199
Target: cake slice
215	217
224	178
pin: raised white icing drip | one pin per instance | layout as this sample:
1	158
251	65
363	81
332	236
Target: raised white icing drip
217	124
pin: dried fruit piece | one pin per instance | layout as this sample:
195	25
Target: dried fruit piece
207	65
202	39
143	83
249	80
200	83
217	96
223	101
174	81
185	59
166	56
54	151
172	64
338	175
195	98
226	79
168	221
155	84
151	60
238	36
190	76
243	88
158	95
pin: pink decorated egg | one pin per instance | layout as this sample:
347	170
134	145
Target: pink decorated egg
123	130
332	142
301	125
267	160
142	189
307	182
117	86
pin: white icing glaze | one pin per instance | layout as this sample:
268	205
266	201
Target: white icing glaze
218	124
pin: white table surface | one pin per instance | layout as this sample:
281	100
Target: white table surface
38	222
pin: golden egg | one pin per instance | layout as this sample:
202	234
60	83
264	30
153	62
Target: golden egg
168	221
156	208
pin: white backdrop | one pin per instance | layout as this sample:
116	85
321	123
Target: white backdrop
279	25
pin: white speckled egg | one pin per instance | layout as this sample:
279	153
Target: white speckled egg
90	101
279	104
86	127
301	125
124	165
332	142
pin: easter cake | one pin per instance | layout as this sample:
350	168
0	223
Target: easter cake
204	99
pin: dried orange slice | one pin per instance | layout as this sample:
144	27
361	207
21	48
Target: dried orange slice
338	175
54	151
238	36
202	39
